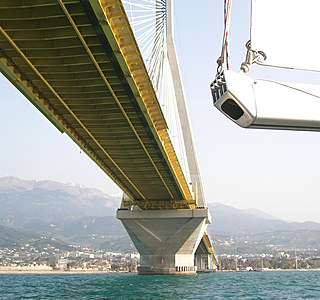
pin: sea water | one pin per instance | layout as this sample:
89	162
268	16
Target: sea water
240	285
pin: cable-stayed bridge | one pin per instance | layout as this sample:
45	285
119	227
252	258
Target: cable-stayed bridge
106	73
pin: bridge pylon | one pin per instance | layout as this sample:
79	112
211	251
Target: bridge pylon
169	240
166	239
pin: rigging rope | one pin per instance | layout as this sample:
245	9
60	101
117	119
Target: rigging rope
225	54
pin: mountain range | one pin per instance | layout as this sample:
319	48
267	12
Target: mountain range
24	201
85	216
230	221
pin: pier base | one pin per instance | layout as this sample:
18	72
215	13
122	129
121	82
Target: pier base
166	239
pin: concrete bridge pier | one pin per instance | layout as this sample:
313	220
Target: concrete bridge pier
166	239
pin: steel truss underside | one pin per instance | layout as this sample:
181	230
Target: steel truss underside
57	55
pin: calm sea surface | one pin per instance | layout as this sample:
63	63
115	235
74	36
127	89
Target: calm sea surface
249	285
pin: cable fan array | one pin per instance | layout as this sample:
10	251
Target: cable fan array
148	19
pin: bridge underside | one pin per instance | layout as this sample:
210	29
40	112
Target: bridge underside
205	258
78	63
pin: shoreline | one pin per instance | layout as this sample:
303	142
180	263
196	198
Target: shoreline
73	272
269	270
61	272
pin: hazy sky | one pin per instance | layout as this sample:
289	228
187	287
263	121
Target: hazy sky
275	171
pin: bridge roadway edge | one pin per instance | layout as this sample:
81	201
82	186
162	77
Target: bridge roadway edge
157	127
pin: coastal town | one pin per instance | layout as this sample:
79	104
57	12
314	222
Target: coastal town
29	258
268	262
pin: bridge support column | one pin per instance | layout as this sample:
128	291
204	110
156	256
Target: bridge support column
166	239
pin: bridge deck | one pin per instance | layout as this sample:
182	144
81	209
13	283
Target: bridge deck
78	63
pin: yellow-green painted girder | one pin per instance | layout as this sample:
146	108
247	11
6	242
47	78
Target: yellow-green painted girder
207	242
77	61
